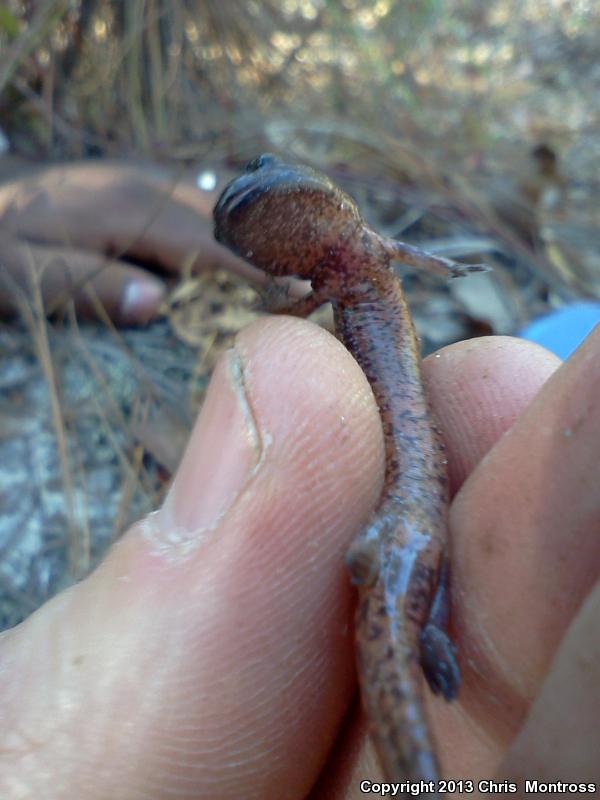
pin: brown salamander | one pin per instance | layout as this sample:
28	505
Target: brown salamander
290	220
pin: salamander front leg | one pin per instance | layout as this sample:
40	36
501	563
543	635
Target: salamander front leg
415	257
275	299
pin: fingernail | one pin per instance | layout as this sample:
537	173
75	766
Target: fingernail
224	452
140	299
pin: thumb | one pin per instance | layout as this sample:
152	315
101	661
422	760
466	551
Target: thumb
210	655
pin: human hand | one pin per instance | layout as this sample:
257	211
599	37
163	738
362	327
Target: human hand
81	226
211	654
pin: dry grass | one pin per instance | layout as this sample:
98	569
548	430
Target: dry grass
404	102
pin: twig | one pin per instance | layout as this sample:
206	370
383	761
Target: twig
46	14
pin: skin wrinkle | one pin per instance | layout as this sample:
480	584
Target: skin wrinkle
485	659
488	674
484	652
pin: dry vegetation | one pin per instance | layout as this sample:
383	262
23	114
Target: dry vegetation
426	109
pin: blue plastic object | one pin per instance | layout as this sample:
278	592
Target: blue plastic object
563	330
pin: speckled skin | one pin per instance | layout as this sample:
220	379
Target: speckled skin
291	220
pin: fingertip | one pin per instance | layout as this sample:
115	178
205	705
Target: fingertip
478	389
140	299
315	398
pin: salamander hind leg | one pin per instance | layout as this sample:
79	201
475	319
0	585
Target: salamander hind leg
363	556
437	651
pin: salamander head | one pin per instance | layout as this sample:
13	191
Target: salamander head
285	219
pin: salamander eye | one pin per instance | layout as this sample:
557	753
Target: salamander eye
264	160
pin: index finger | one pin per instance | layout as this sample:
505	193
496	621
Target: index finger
525	544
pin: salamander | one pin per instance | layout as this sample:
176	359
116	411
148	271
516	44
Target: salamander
290	220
